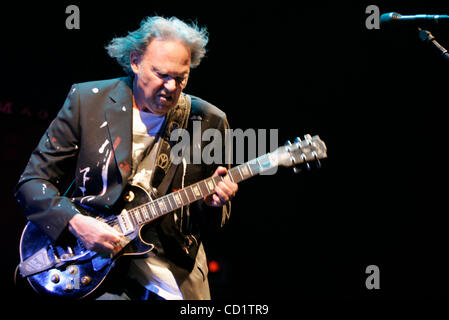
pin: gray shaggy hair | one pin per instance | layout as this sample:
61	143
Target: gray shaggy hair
156	27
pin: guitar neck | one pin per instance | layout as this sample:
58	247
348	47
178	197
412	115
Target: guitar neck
175	200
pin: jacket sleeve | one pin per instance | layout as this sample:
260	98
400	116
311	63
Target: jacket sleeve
217	217
50	163
224	126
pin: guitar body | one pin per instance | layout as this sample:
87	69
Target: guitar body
79	272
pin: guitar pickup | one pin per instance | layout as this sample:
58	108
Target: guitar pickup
125	222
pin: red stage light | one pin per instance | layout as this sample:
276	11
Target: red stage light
214	266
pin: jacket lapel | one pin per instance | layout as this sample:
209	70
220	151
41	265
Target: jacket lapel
118	114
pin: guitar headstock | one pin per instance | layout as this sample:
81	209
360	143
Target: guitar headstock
301	151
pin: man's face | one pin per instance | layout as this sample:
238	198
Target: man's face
161	74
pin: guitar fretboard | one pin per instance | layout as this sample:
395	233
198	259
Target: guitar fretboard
175	200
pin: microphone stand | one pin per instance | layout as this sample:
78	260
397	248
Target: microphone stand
426	36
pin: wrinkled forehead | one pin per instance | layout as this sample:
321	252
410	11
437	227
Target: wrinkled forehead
167	55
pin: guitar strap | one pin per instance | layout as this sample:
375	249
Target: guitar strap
167	236
177	118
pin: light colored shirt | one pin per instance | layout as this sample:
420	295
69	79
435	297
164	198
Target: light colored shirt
152	272
146	127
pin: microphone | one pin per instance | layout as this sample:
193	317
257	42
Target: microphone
426	36
396	17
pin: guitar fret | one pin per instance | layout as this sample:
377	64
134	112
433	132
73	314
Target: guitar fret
146	217
178	199
142	213
237	173
153	212
217	179
183	195
157	208
245	169
167	203
138	216
254	167
203	188
162	205
164	200
240	172
190	194
196	191
132	217
173	204
210	185
258	162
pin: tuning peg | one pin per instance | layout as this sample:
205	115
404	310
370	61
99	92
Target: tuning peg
288	143
297	170
308	138
297	140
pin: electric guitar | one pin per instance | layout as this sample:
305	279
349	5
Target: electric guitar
65	268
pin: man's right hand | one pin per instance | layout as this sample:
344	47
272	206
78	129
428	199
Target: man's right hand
95	235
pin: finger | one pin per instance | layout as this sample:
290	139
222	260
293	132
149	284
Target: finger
231	185
221	194
115	247
220	171
213	200
111	237
216	201
226	189
105	247
112	230
117	250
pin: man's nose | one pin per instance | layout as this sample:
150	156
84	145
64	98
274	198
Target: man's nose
170	84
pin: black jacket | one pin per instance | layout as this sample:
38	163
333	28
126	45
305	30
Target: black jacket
90	141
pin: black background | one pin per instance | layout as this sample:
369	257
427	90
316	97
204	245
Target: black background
376	97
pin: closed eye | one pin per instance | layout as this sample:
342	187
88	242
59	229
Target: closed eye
166	76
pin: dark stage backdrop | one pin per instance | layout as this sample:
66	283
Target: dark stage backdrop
378	98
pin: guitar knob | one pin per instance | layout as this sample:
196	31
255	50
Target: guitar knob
68	288
85	280
130	196
72	269
55	278
297	140
288	143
